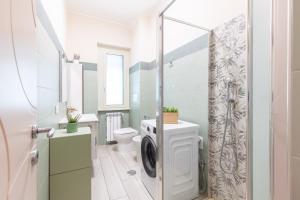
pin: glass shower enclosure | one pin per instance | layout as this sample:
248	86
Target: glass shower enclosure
203	138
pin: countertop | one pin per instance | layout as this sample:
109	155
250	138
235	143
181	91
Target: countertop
63	132
85	118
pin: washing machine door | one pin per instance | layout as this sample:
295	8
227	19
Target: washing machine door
148	152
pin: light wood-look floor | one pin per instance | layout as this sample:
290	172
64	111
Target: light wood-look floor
111	180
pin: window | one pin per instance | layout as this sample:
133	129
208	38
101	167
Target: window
113	78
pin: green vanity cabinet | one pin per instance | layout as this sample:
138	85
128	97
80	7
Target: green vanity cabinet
70	165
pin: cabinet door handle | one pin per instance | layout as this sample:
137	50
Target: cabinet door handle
36	130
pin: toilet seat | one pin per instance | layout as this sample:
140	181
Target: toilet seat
124	138
123	131
125	135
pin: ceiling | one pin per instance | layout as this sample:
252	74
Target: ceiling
120	11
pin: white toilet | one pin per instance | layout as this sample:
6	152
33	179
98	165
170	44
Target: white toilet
124	138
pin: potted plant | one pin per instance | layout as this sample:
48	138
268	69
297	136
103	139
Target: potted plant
170	115
72	125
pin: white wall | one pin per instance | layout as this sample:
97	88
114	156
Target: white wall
56	12
84	32
144	35
209	14
177	35
143	40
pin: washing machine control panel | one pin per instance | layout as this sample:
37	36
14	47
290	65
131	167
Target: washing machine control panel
151	129
149	126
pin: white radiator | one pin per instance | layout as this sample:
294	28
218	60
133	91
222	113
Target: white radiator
113	122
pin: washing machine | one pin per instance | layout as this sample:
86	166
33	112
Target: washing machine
148	155
180	149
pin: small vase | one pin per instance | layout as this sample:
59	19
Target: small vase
170	118
72	127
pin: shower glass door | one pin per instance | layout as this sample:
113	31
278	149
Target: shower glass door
185	91
203	70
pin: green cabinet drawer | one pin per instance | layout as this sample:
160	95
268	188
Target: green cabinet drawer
74	185
69	152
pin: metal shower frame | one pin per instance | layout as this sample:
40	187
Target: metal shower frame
160	97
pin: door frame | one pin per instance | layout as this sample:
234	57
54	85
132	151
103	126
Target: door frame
281	103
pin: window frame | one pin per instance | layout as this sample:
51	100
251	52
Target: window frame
104	50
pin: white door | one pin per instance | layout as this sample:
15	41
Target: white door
18	86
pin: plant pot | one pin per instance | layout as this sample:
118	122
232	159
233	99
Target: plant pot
72	127
170	118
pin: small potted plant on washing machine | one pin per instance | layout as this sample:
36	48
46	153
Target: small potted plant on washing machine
170	115
72	126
